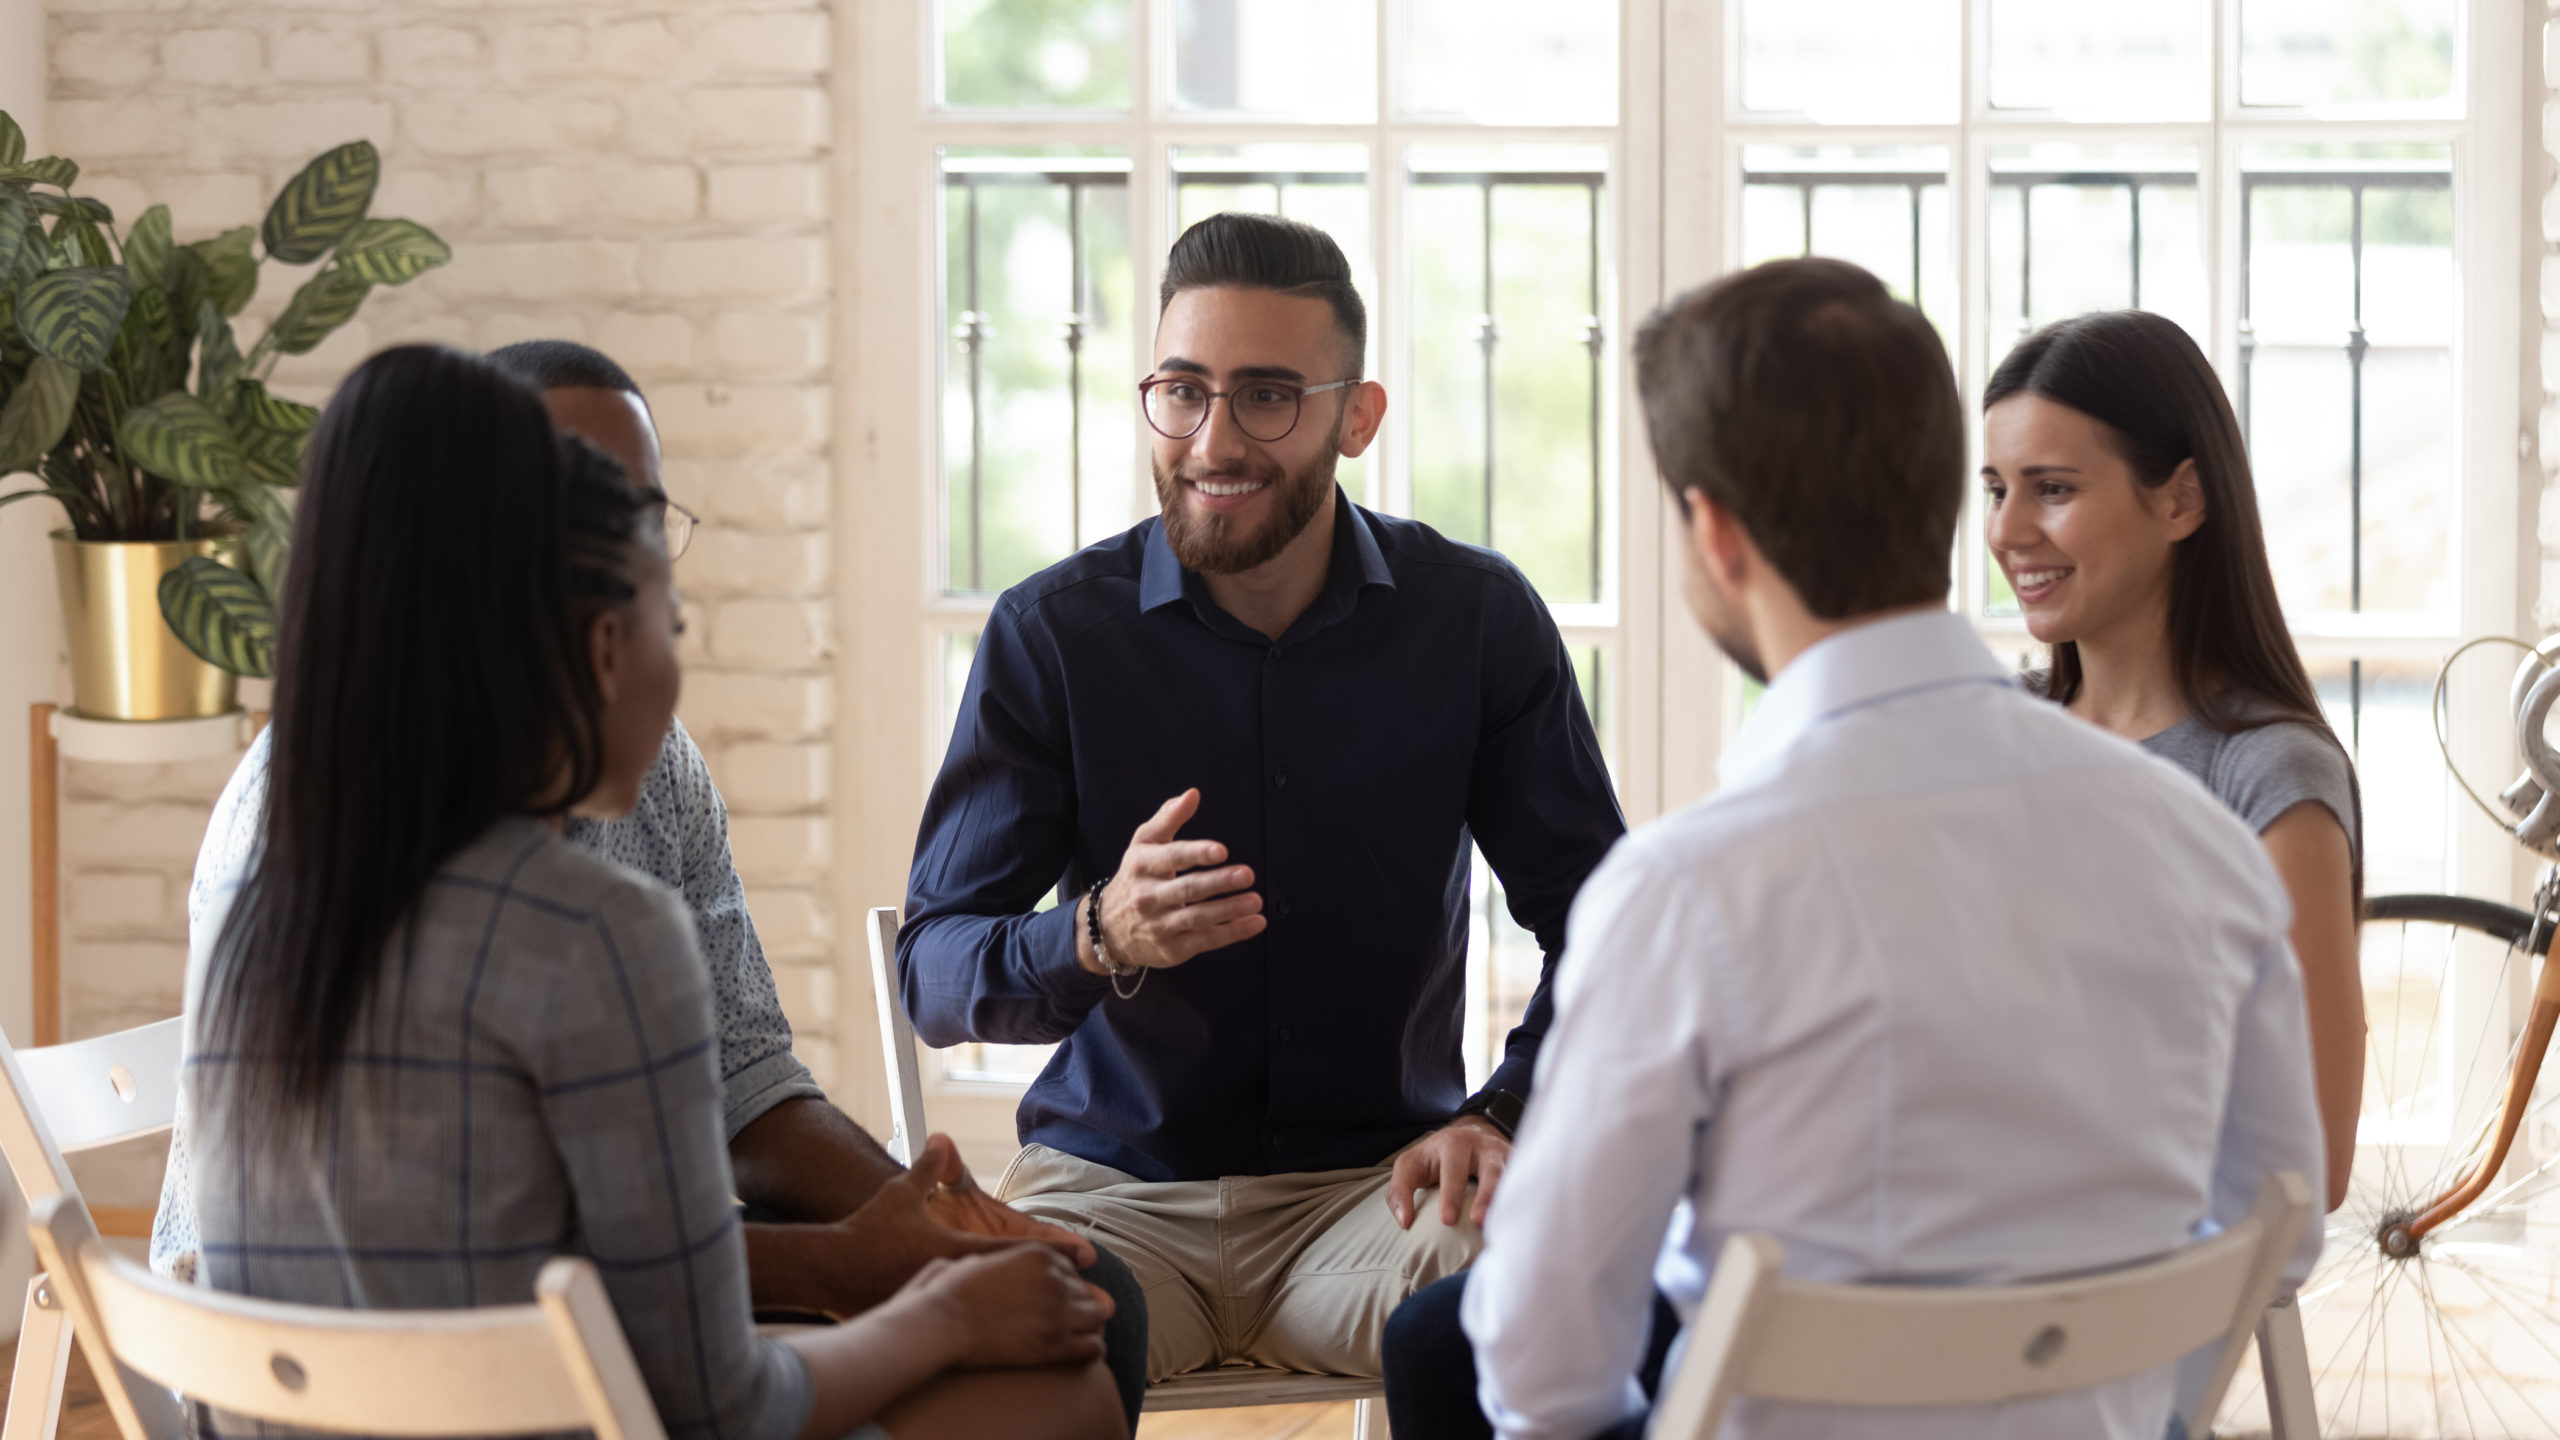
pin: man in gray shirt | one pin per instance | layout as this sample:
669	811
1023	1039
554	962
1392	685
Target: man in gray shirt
836	1226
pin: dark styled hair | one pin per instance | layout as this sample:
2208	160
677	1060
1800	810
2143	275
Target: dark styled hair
2156	398
1267	252
432	678
564	365
1822	413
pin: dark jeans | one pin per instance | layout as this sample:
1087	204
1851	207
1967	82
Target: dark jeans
1431	1369
1124	1336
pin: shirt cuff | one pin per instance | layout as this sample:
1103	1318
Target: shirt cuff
747	1095
1513	1074
1050	940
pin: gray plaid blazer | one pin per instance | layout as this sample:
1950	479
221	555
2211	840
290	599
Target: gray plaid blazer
538	1075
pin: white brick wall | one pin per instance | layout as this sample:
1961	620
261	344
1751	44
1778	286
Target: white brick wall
648	177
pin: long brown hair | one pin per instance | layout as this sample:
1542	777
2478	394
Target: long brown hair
2149	387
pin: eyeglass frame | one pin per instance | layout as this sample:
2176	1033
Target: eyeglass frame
692	522
1146	389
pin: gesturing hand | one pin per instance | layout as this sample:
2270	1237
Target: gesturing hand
1156	915
1019	1306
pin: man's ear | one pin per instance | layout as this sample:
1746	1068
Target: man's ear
1362	414
606	639
2185	492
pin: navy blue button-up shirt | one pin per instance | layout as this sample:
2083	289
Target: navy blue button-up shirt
1423	700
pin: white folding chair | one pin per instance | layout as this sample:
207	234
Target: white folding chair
1762	1335
557	1364
1227	1387
59	1100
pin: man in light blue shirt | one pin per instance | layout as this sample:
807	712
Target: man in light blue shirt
1943	985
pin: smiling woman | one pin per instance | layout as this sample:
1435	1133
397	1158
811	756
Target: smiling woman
2118	502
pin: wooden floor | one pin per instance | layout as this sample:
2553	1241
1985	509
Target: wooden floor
84	1415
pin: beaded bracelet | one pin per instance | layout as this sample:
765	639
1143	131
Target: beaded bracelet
1102	952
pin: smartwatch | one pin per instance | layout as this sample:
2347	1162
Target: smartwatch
1499	1108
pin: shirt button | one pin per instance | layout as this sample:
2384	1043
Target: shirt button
1284	1035
1283	908
1281	779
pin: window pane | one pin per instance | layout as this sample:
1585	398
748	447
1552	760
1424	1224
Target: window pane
2321	52
1882	207
1308	59
2099	59
1036	405
2380	710
1508	356
2346	373
1326	186
2077	228
1873	60
1516	62
1035	54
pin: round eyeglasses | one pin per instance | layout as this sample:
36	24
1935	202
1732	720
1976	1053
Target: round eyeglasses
1265	410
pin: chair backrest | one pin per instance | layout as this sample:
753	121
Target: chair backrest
897	1041
1893	1345
560	1363
62	1099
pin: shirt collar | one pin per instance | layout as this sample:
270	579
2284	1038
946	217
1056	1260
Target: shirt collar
1357	562
1855	668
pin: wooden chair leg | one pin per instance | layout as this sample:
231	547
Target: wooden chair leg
2285	1360
44	1358
1368	1420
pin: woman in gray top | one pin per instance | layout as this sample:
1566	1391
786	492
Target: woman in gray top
433	1044
2121	509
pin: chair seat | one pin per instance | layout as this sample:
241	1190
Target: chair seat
1238	1386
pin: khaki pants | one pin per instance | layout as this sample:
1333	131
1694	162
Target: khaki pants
1294	1271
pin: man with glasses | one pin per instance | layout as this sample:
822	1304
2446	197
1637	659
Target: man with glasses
1249	745
833	1224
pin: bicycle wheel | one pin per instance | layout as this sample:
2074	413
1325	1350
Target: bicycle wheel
2457	1335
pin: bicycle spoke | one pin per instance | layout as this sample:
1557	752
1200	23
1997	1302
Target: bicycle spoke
2454	1372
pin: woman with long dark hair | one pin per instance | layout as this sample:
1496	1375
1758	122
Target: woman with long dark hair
434	1044
2121	509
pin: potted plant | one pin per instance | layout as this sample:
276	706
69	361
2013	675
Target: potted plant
125	393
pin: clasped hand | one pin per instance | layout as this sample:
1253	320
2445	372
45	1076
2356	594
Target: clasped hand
1171	899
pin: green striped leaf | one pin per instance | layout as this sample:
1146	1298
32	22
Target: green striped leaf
15	214
79	207
325	302
52	170
319	206
220	614
152	318
255	405
273	459
217	354
78	244
147	248
73	315
13	141
179	437
231	270
392	252
37	412
266	546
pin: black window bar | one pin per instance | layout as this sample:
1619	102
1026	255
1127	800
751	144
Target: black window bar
2355	183
971	330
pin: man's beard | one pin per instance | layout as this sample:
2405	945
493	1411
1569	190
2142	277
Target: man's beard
1721	617
1212	544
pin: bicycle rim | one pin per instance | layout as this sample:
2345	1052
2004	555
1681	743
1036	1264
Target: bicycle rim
2459	1340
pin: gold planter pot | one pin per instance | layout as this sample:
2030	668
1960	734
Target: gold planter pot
125	663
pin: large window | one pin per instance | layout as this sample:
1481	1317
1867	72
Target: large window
2305	185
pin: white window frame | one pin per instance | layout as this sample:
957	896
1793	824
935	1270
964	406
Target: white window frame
1673	187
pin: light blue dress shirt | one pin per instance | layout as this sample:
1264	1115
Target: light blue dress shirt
1944	986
